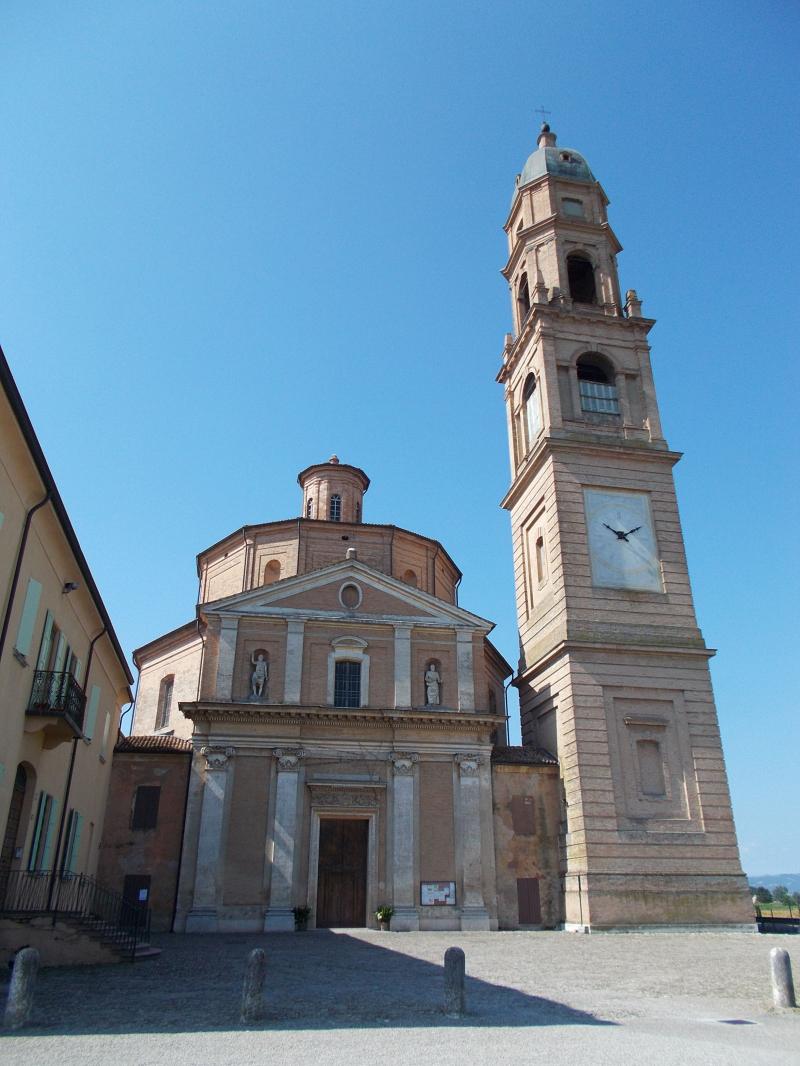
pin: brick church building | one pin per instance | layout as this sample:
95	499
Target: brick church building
329	730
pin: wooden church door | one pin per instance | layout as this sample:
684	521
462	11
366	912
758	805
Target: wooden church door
342	882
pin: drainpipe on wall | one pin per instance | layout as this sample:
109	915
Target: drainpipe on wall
68	786
506	687
18	566
180	850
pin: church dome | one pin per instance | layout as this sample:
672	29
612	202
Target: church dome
549	159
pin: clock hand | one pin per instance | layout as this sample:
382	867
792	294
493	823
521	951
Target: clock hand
617	533
636	530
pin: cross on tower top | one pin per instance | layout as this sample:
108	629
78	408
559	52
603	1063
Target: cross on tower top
541	111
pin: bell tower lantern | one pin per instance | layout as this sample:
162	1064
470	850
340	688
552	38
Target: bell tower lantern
333	491
613	674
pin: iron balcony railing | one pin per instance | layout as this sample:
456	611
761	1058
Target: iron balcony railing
77	897
56	692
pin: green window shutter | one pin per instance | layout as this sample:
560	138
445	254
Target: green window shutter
106	730
91	712
47	643
76	843
61	653
28	620
37	830
49	839
72	839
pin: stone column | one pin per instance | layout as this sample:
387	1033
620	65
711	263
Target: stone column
473	910
402	666
406	916
294	662
226	658
466	671
279	916
202	918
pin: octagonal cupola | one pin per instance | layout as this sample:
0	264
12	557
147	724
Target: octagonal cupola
333	491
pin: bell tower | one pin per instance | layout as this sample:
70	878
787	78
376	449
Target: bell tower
613	674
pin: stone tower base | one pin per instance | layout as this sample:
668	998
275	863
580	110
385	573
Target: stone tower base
640	903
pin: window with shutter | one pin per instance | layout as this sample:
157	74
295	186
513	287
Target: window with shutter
28	620
145	807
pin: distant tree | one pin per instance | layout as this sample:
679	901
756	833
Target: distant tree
763	895
796	898
780	894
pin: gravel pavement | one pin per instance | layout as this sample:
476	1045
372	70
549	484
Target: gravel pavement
350	996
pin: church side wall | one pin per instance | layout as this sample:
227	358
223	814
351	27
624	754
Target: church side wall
526	824
224	575
145	852
273	548
182	663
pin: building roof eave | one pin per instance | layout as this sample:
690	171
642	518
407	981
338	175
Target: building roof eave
49	483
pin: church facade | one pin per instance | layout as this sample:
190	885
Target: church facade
346	718
345	715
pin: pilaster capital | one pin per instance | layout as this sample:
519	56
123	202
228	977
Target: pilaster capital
403	762
469	763
289	758
217	758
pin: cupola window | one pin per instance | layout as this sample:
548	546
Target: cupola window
272	572
164	701
580	273
597	391
335	509
532	411
523	298
310	509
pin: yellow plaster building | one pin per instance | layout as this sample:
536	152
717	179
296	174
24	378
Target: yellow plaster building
63	676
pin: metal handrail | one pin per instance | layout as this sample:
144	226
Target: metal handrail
57	692
79	897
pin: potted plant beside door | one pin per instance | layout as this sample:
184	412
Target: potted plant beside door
384	916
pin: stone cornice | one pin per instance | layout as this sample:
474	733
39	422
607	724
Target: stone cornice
563	647
617	446
591	183
543	318
554	226
373	718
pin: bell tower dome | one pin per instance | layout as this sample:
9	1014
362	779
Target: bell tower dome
613	674
333	491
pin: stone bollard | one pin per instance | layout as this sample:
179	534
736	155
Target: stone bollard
454	965
782	985
19	1004
253	989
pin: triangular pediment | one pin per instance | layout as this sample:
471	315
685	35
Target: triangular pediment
349	590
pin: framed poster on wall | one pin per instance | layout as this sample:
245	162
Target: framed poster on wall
437	893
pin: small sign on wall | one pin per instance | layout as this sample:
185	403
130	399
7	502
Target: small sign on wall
437	893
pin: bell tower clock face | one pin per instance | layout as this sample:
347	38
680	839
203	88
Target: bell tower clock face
622	544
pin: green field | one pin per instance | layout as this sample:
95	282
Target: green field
777	910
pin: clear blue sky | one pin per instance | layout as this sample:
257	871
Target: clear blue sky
239	237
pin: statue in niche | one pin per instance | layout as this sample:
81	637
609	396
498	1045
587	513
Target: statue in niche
260	676
432	683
